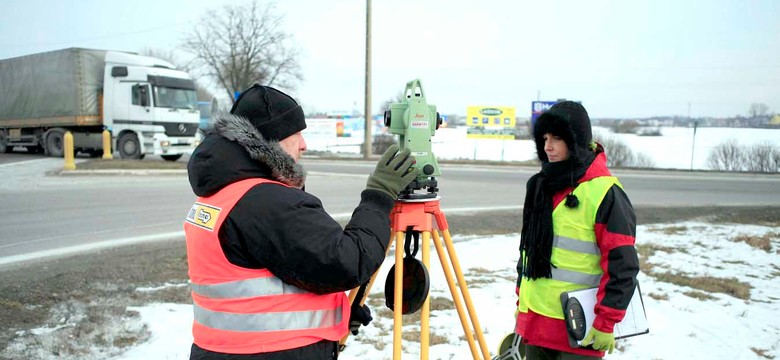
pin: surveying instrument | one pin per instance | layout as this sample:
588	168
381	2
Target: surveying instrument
414	121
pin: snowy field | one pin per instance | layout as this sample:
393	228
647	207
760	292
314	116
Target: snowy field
708	294
672	150
685	322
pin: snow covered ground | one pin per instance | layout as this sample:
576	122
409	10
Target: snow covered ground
686	322
672	150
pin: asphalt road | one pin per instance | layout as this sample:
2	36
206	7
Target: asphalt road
44	213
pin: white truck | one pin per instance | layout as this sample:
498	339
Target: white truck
149	107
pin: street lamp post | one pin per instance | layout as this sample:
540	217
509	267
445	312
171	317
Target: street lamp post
695	125
367	105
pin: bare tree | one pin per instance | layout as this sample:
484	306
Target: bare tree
619	155
762	157
727	156
386	104
241	45
758	110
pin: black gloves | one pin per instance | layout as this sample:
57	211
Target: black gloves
392	172
360	315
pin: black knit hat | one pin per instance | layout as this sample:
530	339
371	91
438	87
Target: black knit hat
275	114
570	121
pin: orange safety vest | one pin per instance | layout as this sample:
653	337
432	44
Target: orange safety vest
247	311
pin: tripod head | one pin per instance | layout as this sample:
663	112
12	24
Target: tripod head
415	122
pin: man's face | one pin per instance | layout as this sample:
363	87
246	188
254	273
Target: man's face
294	145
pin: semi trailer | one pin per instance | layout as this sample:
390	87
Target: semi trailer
148	106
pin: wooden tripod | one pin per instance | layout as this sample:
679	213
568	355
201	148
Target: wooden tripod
418	216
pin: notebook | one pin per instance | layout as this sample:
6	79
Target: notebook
578	314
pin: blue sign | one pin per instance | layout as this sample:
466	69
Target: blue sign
538	107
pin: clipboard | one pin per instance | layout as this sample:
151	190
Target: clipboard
578	314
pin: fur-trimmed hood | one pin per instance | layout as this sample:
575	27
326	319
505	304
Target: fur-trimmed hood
234	150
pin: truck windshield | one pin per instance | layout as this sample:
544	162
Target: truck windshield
167	97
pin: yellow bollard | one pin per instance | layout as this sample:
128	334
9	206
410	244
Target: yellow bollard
68	151
107	153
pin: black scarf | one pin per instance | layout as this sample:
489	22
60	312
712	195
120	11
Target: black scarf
536	237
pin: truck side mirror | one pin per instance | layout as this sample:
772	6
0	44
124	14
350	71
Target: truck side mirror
144	95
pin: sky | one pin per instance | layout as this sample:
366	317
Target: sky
681	324
620	59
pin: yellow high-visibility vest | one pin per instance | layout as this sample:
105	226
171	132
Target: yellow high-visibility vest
575	254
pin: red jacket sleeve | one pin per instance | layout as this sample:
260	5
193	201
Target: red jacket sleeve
615	234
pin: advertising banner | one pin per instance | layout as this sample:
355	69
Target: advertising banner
490	122
537	108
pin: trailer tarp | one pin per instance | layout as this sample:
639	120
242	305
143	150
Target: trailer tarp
52	84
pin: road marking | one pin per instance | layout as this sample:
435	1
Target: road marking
72	250
23	162
179	235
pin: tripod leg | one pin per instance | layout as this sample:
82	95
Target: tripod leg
398	295
455	296
425	332
353	294
464	289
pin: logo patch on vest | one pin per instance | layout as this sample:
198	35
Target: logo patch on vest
203	216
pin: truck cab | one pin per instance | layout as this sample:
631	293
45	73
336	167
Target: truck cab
150	107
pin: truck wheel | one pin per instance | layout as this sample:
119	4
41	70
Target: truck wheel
171	157
55	146
4	148
128	146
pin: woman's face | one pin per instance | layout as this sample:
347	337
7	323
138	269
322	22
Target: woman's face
555	148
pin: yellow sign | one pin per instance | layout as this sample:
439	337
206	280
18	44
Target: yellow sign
490	122
203	216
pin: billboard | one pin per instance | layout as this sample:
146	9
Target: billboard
537	108
491	122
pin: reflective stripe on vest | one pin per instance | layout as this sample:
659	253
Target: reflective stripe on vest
575	254
267	321
264	286
245	311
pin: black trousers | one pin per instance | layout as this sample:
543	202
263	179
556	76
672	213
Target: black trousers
540	353
323	350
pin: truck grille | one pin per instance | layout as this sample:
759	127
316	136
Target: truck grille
180	129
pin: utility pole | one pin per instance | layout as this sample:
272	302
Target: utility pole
693	143
367	108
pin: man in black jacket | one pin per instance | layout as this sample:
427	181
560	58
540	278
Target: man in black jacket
281	260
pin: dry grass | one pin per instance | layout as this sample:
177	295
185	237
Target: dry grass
125	164
699	295
659	297
434	339
762	353
670	230
10	304
759	242
645	251
731	286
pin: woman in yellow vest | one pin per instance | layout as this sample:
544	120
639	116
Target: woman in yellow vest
578	232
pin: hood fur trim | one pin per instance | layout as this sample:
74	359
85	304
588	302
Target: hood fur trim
241	131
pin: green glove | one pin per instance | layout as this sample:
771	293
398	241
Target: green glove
601	340
392	172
